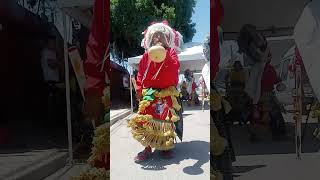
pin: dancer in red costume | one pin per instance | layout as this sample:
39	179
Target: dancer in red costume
154	126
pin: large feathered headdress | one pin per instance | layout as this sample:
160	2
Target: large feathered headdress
172	38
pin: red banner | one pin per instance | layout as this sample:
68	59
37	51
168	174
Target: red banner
217	13
97	65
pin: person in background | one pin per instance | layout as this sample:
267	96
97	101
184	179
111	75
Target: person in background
51	76
235	83
49	62
267	113
183	90
191	87
194	95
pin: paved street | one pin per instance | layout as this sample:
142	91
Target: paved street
191	156
267	159
67	172
277	167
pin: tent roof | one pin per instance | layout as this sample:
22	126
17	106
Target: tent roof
76	3
78	9
274	17
190	58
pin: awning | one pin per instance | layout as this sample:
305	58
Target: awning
190	58
78	9
273	17
307	38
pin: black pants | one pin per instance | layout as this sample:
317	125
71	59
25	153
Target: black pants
277	122
179	124
51	91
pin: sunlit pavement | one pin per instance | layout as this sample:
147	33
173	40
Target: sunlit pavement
267	159
191	159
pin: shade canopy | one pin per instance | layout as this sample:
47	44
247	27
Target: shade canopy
78	9
190	58
307	38
273	17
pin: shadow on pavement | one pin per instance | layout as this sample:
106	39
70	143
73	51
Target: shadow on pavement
185	115
244	169
196	150
265	145
186	107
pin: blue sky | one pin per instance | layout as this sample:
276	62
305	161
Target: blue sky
201	17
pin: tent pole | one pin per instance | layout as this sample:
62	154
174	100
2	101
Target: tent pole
67	81
131	99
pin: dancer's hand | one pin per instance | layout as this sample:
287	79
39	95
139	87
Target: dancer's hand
139	96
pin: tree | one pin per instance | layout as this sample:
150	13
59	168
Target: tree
129	18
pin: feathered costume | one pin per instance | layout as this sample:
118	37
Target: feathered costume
158	110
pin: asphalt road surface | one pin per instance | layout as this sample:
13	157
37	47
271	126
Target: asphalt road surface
191	159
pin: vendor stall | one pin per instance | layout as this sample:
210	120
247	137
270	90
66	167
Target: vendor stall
276	19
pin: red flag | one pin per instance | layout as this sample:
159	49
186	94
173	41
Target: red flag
97	48
217	13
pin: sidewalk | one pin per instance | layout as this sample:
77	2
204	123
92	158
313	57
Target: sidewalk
118	114
68	171
276	160
31	165
277	167
191	156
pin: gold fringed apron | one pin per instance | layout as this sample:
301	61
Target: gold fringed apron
154	124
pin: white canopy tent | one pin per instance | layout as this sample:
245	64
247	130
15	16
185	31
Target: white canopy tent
78	9
273	17
191	58
307	38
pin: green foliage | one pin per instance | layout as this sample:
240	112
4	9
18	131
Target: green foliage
129	18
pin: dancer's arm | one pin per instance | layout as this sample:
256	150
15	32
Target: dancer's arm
141	71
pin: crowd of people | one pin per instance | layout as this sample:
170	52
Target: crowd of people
188	89
250	96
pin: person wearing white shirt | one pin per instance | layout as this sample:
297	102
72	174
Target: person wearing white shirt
50	63
50	69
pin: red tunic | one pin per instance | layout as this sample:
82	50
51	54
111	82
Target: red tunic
194	86
269	78
298	61
217	14
168	75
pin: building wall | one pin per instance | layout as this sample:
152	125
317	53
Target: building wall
119	94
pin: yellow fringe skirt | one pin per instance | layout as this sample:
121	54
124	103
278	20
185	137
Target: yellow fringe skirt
156	131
